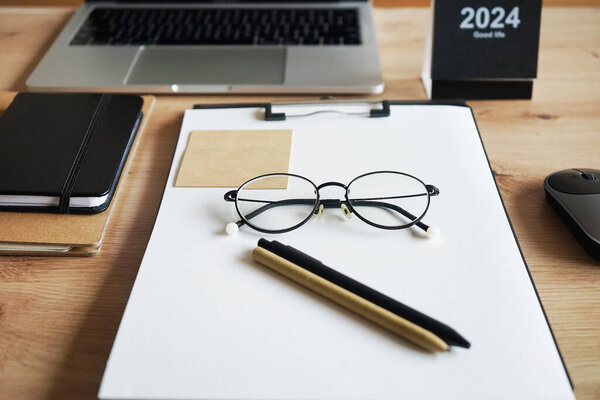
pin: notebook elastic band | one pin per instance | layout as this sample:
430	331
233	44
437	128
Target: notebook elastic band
67	189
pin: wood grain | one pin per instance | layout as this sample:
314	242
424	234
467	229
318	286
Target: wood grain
58	317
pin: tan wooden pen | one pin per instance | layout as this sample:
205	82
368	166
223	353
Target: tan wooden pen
351	301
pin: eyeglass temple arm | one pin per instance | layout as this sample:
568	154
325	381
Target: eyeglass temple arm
431	190
231	196
394	207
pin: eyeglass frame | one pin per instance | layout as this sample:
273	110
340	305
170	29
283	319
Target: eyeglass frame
231	196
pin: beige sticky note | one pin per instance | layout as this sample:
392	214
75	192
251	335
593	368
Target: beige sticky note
229	158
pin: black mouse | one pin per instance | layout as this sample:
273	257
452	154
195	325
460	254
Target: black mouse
575	196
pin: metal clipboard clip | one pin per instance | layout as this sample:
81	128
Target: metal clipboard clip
373	109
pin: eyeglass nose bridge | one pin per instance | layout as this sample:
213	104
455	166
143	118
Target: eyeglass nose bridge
331	203
338	184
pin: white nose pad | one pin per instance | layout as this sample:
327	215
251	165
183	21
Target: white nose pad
346	211
320	211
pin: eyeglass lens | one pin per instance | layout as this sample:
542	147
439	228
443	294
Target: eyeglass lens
276	209
389	199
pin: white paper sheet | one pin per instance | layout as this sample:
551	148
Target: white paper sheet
205	322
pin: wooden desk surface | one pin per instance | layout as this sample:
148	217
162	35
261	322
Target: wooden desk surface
59	316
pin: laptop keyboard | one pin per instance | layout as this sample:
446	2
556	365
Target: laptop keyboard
188	26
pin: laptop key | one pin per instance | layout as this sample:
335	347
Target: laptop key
310	41
119	42
268	42
290	41
80	40
100	40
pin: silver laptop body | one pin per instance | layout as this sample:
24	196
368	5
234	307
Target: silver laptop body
278	67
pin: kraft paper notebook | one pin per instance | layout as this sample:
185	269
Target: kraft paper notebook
49	233
204	321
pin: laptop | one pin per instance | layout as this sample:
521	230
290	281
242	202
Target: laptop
237	46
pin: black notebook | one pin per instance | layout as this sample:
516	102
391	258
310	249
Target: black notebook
64	152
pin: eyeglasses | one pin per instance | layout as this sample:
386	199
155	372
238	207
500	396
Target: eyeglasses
383	199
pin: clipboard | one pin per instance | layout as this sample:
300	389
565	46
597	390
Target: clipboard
214	325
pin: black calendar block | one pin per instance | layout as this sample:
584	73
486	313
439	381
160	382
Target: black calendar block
482	49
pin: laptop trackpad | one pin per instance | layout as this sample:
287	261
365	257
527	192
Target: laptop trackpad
191	66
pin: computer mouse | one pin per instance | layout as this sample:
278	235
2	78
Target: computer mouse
575	196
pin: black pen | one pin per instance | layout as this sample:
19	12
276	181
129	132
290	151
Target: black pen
447	334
